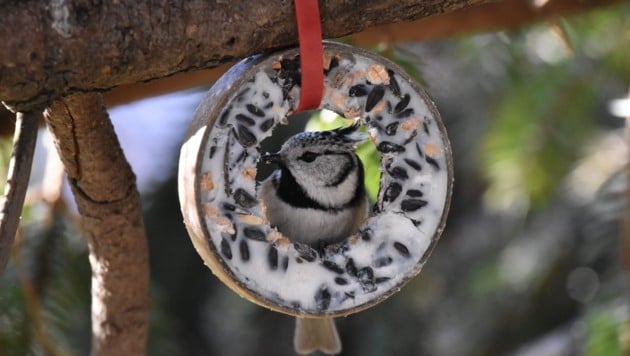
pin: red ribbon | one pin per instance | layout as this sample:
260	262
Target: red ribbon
311	54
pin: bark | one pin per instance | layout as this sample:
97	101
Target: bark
507	14
52	48
105	192
17	181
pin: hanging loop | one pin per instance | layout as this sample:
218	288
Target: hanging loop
311	54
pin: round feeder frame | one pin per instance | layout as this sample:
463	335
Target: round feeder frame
227	223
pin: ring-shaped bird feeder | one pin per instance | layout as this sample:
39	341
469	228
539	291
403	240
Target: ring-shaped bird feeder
227	223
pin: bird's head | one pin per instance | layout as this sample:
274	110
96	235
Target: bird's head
320	159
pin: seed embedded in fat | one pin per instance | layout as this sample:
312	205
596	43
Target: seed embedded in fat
249	172
206	183
252	219
431	149
411	124
377	74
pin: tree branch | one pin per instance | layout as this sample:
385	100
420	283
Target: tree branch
17	181
55	48
105	191
506	14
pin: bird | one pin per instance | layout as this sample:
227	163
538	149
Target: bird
316	197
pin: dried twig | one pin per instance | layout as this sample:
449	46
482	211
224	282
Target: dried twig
17	181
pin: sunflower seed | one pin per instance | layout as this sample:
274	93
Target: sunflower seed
255	110
226	250
402	249
374	97
409	205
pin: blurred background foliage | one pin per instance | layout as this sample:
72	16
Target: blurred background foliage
530	260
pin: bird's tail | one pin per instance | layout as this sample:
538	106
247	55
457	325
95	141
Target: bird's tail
316	334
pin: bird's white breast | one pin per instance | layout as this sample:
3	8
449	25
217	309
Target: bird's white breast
308	225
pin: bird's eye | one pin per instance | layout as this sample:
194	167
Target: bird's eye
308	156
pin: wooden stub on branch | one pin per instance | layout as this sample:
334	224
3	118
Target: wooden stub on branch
105	191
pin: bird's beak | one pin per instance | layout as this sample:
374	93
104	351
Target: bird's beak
270	158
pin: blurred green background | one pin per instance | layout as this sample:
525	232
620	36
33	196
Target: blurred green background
529	264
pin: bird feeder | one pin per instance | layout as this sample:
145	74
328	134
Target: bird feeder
227	222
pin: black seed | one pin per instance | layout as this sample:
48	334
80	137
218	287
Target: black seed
254	233
349	294
389	107
226	236
432	162
245	119
413	135
272	258
414	193
366	278
426	127
366	235
419	150
409	205
405	113
225	249
240	95
393	83
365	274
228	207
244	249
266	125
398	173
241	157
341	281
224	116
392	192
413	164
391	129
306	252
402	104
374	97
243	198
255	110
333	63
415	222
265	94
387	147
332	266
351	268
322	298
379	280
245	137
379	117
285	263
402	249
213	150
268	105
290	64
357	90
383	261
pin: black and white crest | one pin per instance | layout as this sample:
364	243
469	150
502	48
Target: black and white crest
348	137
